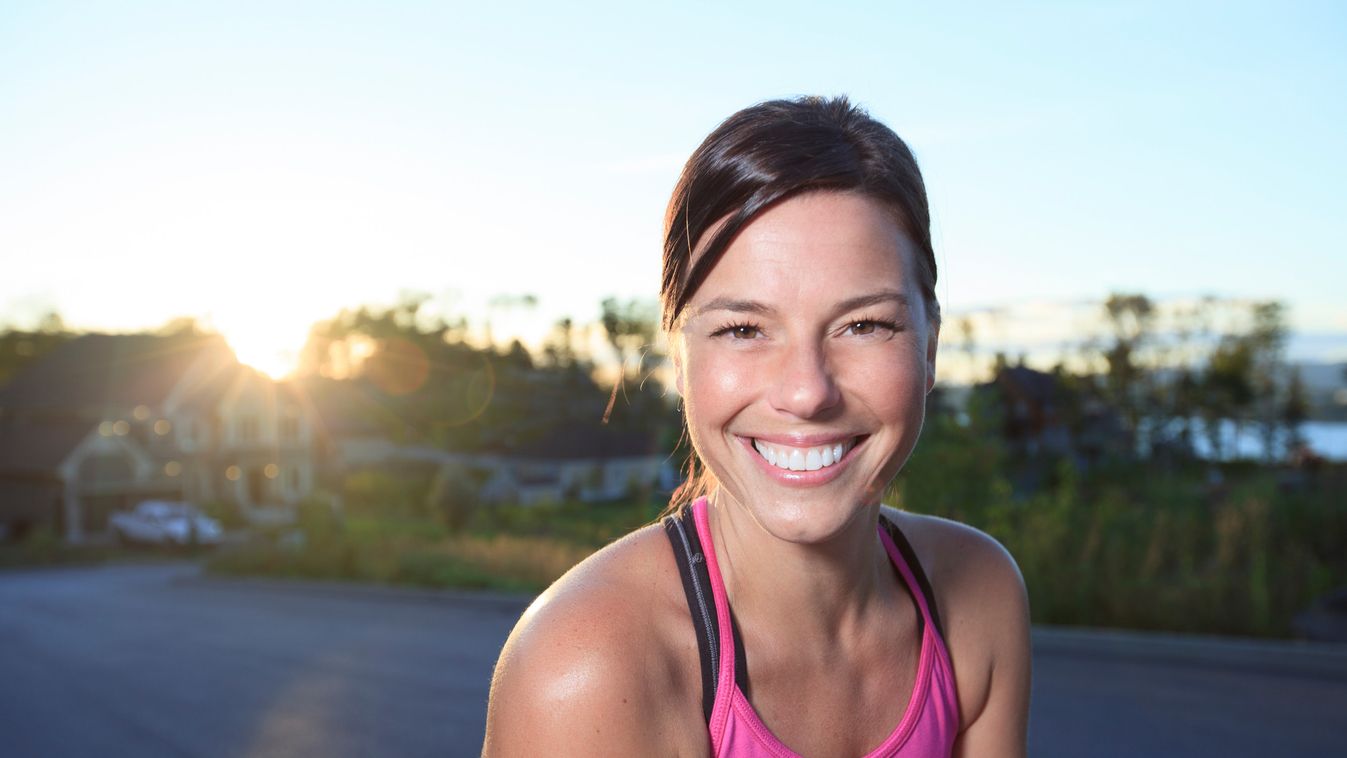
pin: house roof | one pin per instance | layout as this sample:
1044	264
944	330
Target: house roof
38	448
95	372
1038	386
31	500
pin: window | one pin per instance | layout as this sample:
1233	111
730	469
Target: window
289	428
247	428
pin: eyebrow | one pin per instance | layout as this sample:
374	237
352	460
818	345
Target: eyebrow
875	298
736	305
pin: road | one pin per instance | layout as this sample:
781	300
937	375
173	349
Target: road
156	661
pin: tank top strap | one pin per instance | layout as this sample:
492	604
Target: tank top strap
720	709
684	538
905	558
720	646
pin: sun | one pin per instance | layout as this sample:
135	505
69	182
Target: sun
270	347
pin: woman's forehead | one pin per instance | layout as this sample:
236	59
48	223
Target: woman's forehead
819	246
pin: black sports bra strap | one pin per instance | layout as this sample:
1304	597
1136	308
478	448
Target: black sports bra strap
687	551
692	568
910	556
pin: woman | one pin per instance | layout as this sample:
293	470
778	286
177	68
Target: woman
782	610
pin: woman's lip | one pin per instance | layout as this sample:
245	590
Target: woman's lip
804	478
803	440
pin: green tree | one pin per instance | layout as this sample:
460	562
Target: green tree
630	327
1295	409
1227	388
1267	339
1128	382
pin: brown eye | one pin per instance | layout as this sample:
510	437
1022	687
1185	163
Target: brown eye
745	332
863	327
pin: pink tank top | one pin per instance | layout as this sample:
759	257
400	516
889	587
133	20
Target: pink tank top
928	726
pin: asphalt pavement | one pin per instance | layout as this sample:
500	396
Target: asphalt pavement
156	660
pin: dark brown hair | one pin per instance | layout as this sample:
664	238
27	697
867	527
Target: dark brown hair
763	155
772	151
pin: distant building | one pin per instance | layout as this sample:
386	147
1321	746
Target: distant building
548	458
1042	417
105	421
589	464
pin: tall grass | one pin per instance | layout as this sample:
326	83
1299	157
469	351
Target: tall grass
1132	546
509	548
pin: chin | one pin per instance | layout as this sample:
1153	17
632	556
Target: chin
803	519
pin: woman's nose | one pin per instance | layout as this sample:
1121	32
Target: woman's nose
804	385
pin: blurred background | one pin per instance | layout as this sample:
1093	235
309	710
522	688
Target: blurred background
366	293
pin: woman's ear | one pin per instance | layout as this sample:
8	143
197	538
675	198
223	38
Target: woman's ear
676	357
678	372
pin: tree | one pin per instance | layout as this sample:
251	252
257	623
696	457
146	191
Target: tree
507	304
630	327
1244	378
1227	388
968	344
1128	383
1267	339
1296	409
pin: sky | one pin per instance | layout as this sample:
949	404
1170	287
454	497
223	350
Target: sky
260	166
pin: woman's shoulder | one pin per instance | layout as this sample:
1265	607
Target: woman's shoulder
957	557
601	657
984	607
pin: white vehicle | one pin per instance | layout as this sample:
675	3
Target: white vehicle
164	522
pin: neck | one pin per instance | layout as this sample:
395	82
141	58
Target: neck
818	593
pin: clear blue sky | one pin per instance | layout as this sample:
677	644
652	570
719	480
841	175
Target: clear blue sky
264	164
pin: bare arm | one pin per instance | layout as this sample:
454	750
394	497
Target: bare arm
585	670
561	689
1001	726
985	608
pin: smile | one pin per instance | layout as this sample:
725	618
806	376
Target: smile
803	458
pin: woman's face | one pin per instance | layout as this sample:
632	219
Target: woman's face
804	360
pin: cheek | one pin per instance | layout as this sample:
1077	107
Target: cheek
890	383
717	386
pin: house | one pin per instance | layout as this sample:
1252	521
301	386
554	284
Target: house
545	458
105	421
588	463
1043	417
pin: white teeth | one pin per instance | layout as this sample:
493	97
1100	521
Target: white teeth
797	459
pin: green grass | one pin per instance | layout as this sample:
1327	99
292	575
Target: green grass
1124	545
508	548
42	547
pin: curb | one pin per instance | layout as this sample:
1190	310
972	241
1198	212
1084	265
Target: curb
503	602
1319	660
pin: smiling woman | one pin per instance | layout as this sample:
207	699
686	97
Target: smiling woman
827	360
780	609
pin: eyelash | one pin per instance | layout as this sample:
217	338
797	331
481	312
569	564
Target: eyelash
734	327
878	323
